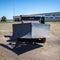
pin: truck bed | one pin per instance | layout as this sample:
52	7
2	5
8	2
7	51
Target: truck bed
31	30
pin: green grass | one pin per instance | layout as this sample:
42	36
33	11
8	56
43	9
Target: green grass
55	27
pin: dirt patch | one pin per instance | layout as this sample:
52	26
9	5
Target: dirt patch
50	50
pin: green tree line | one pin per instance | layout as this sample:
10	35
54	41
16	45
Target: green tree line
3	19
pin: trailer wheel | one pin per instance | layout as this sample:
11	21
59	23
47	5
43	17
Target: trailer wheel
42	40
18	43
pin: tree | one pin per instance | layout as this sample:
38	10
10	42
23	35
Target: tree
3	19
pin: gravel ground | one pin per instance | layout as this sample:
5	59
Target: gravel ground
49	51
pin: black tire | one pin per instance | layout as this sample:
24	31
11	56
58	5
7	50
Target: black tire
42	40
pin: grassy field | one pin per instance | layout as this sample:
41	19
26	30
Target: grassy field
7	27
49	51
55	28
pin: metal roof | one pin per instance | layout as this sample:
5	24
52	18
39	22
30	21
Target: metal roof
32	15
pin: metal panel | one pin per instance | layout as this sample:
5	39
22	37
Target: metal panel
31	30
40	30
20	30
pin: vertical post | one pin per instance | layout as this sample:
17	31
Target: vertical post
21	19
42	20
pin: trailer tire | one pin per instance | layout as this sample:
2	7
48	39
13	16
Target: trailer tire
42	40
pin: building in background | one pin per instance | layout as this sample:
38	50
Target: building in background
49	17
28	17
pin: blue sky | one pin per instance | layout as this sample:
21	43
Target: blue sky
9	8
